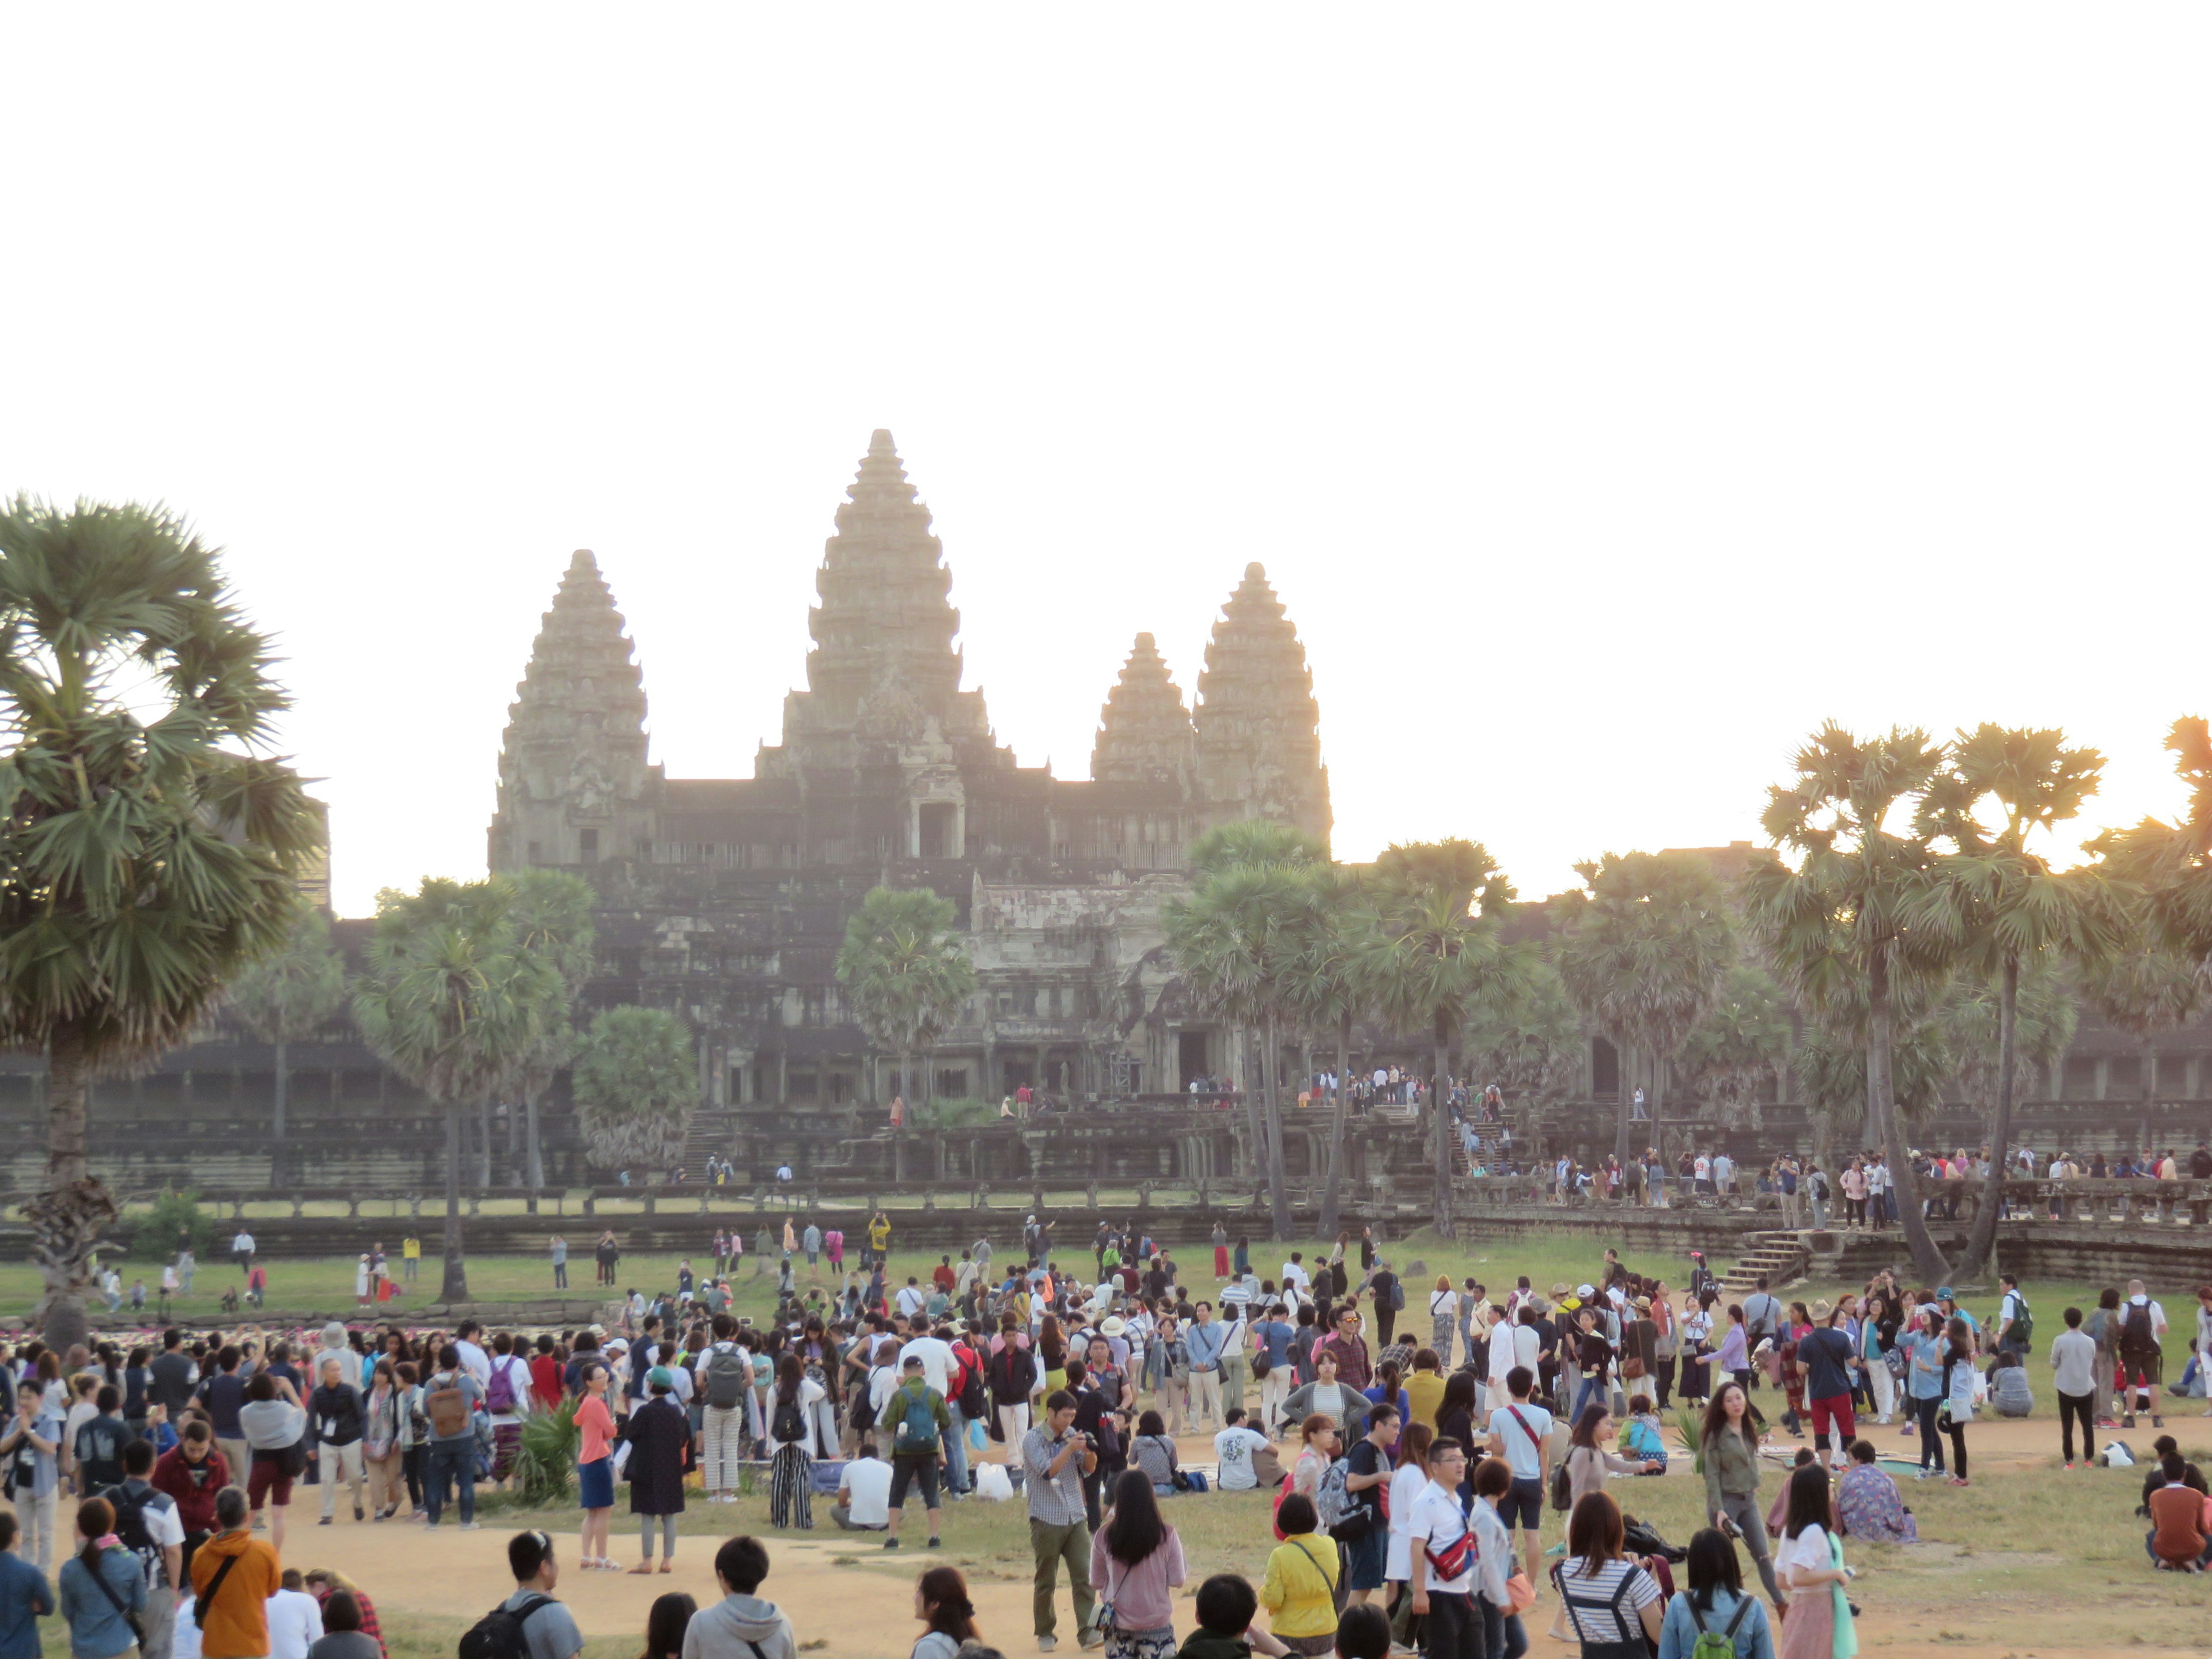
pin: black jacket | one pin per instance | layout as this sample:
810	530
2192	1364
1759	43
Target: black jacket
659	1434
335	1411
171	1384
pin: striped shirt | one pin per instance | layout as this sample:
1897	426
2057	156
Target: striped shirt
1589	1599
1056	1500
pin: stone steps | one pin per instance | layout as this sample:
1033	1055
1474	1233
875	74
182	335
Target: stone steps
1784	1258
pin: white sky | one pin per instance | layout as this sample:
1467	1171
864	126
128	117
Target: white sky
1612	393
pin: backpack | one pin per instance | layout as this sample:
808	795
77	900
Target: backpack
1397	1296
2023	1322
131	1528
448	1411
915	1435
498	1634
1717	1644
729	1374
975	1402
788	1426
2136	1336
1342	1517
499	1393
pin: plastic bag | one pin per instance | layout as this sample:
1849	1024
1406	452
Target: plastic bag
992	1482
979	1437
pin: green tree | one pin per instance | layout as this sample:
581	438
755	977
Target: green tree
1838	924
1644	950
635	1083
552	916
1996	906
2142	987
905	972
285	997
2173	866
1325	989
1437	951
453	1004
1524	1035
149	849
1831	1067
1738	1048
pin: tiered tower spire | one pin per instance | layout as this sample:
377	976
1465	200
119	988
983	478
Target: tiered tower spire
1258	725
1145	733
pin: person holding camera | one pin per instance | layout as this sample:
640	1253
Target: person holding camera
1054	1460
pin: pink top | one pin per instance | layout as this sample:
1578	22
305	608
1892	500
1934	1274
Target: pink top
598	1426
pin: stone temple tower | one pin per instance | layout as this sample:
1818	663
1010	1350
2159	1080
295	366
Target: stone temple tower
1259	728
571	766
1144	734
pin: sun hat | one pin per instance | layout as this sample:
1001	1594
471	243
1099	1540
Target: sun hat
1821	1310
1112	1326
1585	1292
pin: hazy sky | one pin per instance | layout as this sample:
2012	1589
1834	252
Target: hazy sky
1612	393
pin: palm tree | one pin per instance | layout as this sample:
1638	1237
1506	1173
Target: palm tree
285	997
149	848
1831	1065
905	972
1997	905
1332	935
1643	956
1737	1048
1436	952
1973	1026
451	1003
2178	862
1524	1035
2144	988
635	1081
552	916
1839	924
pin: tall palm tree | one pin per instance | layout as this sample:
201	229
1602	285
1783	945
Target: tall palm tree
2142	987
905	972
636	1080
552	917
2044	1022
284	997
1325	988
1736	1050
2180	885
452	1004
1996	905
1524	1035
1437	951
149	848
1838	923
1648	942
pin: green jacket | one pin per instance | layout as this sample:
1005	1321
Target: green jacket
894	1414
1731	1467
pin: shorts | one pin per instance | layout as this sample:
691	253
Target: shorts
2144	1369
267	1480
1525	1502
595	1484
1366	1558
1838	1406
908	1471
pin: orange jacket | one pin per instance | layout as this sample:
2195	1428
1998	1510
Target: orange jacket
237	1624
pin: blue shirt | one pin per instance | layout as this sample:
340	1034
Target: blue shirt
1274	1335
1754	1638
1925	1371
1203	1343
24	1599
97	1628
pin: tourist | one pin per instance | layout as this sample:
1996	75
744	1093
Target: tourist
99	1442
1728	1445
326	1584
334	1410
1600	1586
1014	1378
342	1637
233	1615
1424	1391
272	1421
1406	1481
1153	1452
1235	1451
1226	1605
296	1618
1495	1596
1734	1355
1520	1433
451	1398
2176	1541
1364	1528
1811	1560
1867	1505
864	1493
1715	1604
1925	1387
916	1417
793	1434
1349	1349
1136	1567
595	1469
948	1617
1054	1460
385	1428
25	1597
1828	1362
547	1627
100	1588
33	1447
1363	1632
2010	1395
659	1436
1299	1591
2140	1343
1325	1396
1203	1341
147	1523
1440	1549
1589	1465
1957	1408
2074	1379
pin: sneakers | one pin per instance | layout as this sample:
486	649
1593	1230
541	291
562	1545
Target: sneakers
1091	1638
1046	1644
472	1526
325	1521
933	1542
890	1543
358	1513
2128	1421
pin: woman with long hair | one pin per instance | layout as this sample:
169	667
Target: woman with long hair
1136	1565
948	1617
1590	1464
1318	1447
101	1585
1503	1635
791	1431
1727	1444
1605	1594
1715	1604
384	1423
1406	1482
666	1621
1443	1317
1956	1409
1877	1336
1052	1356
1925	1373
1734	1356
595	1468
1812	1560
1455	1412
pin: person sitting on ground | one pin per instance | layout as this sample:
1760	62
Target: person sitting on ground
1226	1606
1153	1452
2164	1447
1363	1633
864	1493
666	1621
1868	1506
1641	1437
2010	1395
941	1601
741	1626
1716	1603
296	1618
2176	1541
325	1585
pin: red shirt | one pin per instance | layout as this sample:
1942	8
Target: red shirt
545	1379
192	1487
945	1278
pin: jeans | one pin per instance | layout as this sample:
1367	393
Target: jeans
2071	1406
955	1439
560	1275
1931	1448
1050	1546
718	1459
1592	1386
1743	1509
451	1460
413	1264
1503	1634
2150	1544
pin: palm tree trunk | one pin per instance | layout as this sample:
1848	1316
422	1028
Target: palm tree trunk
1881	1107
1627	1093
455	1287
276	1115
1981	1237
1256	1139
1440	1193
67	1217
1332	1191
483	1142
534	1152
1277	1201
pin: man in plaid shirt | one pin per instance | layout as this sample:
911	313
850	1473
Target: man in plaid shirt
1054	1460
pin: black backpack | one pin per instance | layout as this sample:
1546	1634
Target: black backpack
974	1399
498	1634
130	1527
788	1426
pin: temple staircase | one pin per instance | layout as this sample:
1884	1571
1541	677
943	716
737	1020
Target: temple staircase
1783	1257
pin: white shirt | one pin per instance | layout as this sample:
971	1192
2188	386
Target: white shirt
1294	1273
476	1362
1524	1454
295	1622
865	1486
518	1378
1436	1519
1810	1548
1502	1354
1704	1166
1405	1491
243	1244
910	1300
1527	1347
1234	1449
936	1362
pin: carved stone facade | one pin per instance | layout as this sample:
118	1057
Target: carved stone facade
725	900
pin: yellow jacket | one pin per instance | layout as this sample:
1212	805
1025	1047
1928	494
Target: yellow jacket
1300	1592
